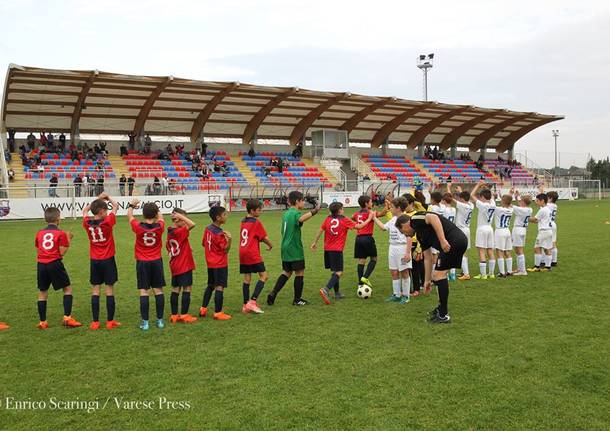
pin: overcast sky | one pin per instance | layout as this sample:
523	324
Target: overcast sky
550	57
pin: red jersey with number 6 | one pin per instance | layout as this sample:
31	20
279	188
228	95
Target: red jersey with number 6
179	249
251	233
335	232
48	241
149	239
101	239
215	245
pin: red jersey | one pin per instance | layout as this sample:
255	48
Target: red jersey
360	217
215	245
101	239
48	241
335	232
251	233
149	239
179	249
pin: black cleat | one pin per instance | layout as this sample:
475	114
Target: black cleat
432	314
270	299
553	263
300	302
500	275
439	319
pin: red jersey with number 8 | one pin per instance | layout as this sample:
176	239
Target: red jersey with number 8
251	233
335	232
101	239
149	239
48	241
179	249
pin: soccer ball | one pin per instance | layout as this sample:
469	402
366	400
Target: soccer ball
364	291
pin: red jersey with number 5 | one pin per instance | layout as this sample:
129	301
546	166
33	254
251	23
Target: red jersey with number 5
149	239
215	245
251	233
101	239
48	241
360	217
179	249
335	232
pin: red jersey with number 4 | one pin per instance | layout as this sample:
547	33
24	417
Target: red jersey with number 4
149	239
360	217
179	249
48	241
251	233
215	245
101	240
335	232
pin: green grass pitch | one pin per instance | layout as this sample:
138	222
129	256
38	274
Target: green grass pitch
521	354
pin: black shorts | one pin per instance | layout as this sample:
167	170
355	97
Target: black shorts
183	280
295	265
52	273
103	271
365	247
218	277
333	260
252	269
453	259
150	274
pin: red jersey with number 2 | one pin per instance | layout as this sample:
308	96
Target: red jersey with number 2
179	249
101	240
335	232
48	241
251	233
149	239
215	245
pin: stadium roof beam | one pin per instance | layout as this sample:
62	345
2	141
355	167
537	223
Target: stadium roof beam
299	130
207	110
480	140
387	129
452	137
138	128
352	122
420	135
260	116
507	142
80	104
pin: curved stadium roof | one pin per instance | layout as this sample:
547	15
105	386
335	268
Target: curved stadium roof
108	103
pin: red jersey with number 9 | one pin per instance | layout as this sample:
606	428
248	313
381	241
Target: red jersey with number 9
48	241
149	239
251	233
101	240
179	249
335	232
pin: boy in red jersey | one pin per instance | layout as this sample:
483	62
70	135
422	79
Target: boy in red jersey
365	246
149	264
101	252
252	233
52	243
217	244
181	264
335	228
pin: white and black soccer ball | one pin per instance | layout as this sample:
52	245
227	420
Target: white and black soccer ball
364	291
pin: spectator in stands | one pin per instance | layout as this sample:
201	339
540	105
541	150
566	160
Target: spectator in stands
43	139
53	186
131	182
11	140
96	148
62	141
100	185
132	141
173	186
123	150
103	148
122	182
297	153
31	140
169	150
204	149
7	156
85	148
78	184
90	186
79	147
251	152
11	175
536	180
280	165
156	186
179	149
203	169
165	184
267	172
435	153
140	148
147	144
51	141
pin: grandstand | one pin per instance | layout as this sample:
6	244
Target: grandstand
460	171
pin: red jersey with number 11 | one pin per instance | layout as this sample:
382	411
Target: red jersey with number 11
101	239
48	241
335	232
149	239
179	249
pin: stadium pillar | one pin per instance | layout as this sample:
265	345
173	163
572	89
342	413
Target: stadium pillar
484	150
76	138
384	147
511	152
254	138
453	151
420	149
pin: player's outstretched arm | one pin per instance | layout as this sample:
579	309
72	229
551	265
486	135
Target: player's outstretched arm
86	210
115	206
367	221
309	214
314	245
379	223
132	205
473	194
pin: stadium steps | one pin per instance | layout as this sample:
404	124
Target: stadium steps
245	170
430	177
20	180
364	168
328	177
118	165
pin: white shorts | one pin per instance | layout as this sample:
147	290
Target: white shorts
485	237
396	256
544	239
554	230
519	234
466	231
502	240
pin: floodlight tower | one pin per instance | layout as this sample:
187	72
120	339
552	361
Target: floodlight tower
425	62
556	135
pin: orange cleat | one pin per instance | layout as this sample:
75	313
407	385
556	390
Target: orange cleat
94	326
203	311
245	309
174	318
222	316
70	322
3	326
43	325
464	277
324	295
111	324
187	318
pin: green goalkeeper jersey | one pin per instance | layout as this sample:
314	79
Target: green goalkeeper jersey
292	246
